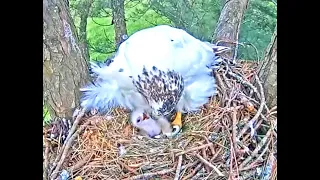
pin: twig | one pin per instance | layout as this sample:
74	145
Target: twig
138	165
80	163
232	152
257	53
204	154
72	130
247	175
110	24
231	158
215	155
247	98
260	156
232	96
261	89
46	160
198	175
128	168
194	171
244	82
207	140
256	116
235	158
146	175
176	177
209	164
273	108
272	113
189	165
193	149
226	81
66	149
255	128
257	149
245	148
234	130
249	167
220	82
233	108
188	141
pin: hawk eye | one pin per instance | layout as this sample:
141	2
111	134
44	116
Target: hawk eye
138	120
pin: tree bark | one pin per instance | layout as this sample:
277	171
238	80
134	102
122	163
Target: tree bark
118	19
64	65
84	14
229	23
268	71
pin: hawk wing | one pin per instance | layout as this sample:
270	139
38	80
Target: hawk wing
162	90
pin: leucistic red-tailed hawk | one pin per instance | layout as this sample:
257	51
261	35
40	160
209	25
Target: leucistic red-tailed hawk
158	70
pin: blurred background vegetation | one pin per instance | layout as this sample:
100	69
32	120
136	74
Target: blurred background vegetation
198	17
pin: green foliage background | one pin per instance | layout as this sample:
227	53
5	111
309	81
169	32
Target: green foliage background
198	17
257	28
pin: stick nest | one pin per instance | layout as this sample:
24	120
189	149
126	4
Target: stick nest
232	137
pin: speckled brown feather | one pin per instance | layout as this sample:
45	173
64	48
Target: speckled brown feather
161	89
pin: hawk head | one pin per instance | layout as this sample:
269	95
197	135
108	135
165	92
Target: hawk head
161	89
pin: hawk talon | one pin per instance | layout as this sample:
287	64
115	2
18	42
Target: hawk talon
157	137
176	126
176	130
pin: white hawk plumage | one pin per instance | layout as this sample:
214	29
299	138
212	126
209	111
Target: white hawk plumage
158	70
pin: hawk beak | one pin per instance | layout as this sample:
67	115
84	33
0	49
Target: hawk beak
145	116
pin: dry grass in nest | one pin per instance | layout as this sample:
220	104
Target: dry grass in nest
215	143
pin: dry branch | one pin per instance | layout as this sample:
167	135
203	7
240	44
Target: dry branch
204	154
176	177
257	149
234	129
46	161
68	142
194	171
266	148
209	164
82	162
256	116
72	130
206	139
193	149
147	175
128	168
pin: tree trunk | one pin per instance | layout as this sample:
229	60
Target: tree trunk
228	26
67	3
268	71
84	14
64	65
118	19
